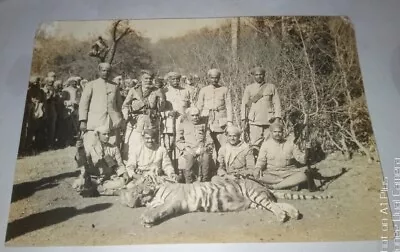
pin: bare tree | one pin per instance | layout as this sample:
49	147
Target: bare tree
118	30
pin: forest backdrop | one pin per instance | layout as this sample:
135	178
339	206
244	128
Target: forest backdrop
313	62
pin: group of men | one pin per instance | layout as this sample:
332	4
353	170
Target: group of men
50	119
180	132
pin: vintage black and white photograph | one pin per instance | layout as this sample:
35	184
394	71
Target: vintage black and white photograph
227	130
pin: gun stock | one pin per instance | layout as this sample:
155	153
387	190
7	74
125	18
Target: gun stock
309	172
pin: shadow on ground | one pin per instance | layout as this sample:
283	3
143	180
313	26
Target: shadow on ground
27	189
51	217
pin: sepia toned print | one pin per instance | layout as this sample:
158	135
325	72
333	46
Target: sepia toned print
245	129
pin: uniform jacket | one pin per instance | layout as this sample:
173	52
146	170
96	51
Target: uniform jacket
266	108
145	159
218	100
178	99
98	151
193	92
192	136
277	156
100	104
139	103
236	158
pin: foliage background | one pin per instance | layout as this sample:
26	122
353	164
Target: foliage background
313	62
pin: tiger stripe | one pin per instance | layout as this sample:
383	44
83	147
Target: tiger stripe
296	196
222	195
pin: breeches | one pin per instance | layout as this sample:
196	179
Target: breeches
219	139
200	167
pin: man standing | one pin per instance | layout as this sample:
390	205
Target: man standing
195	147
178	100
191	86
36	117
215	102
70	102
100	105
236	157
51	111
277	160
141	108
260	106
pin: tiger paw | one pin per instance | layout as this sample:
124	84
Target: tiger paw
126	199
282	217
146	225
294	214
148	218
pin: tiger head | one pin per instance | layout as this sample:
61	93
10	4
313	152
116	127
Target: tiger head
138	196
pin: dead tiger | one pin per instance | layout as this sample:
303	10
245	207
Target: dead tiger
220	195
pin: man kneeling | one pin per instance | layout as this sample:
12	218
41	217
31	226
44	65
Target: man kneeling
103	165
277	160
149	157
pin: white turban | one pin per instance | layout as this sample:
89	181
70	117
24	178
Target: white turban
233	130
214	71
51	74
102	129
192	110
173	74
105	65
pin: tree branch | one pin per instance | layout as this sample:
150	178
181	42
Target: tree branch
309	66
114	31
333	141
124	33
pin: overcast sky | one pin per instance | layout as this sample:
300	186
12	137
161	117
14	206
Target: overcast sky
153	29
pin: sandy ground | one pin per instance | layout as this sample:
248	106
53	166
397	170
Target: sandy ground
45	211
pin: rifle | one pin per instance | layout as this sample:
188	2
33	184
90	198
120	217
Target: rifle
173	145
246	126
160	122
309	172
206	131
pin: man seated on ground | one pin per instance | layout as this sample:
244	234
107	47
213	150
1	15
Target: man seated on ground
277	160
149	158
103	164
195	146
236	157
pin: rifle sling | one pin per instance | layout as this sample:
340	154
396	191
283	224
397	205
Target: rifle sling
257	96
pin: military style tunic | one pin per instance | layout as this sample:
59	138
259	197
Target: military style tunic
97	153
100	104
139	109
105	168
280	158
144	159
236	159
192	136
260	112
216	103
142	103
178	99
195	146
266	108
